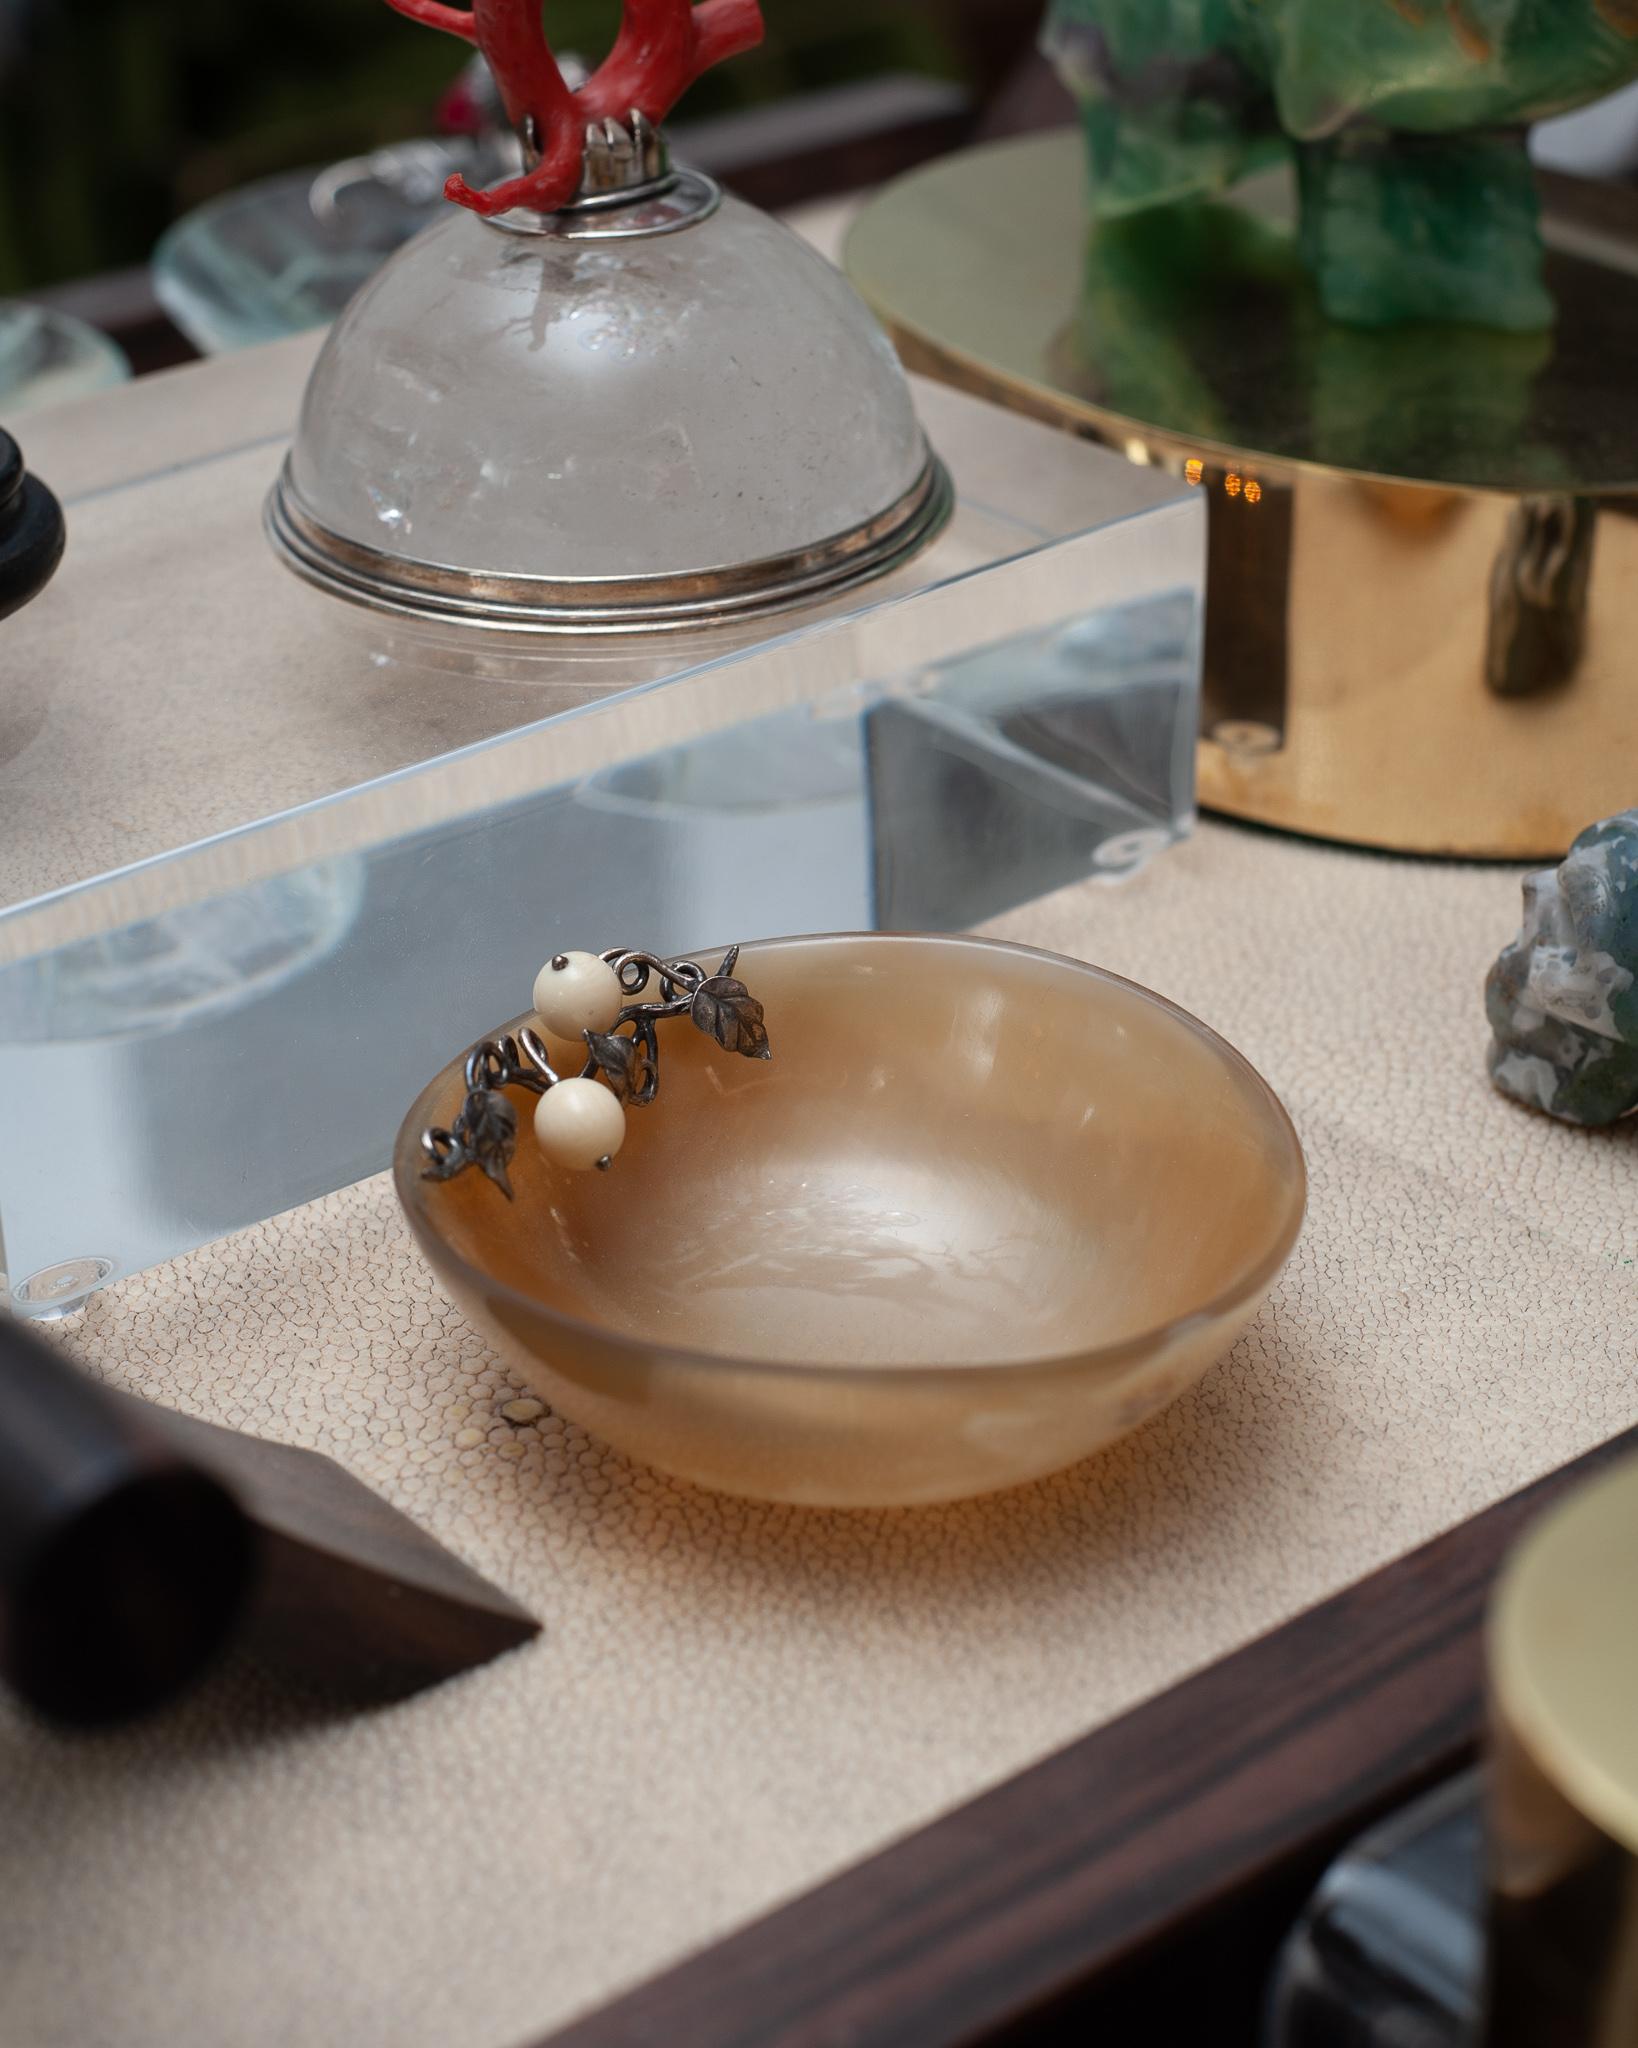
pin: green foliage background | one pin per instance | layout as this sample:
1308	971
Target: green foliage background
122	114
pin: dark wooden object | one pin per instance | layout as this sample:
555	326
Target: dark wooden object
31	530
353	1598
136	1544
124	1567
1133	1886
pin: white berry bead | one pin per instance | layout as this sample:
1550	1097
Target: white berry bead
576	992
578	1123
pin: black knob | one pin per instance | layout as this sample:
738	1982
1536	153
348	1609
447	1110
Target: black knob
32	533
123	1566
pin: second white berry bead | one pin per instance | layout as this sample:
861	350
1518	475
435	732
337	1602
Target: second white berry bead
579	1124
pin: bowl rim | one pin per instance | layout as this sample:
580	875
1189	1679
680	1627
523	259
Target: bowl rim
1248	1287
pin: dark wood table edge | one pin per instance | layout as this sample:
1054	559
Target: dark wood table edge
1244	1778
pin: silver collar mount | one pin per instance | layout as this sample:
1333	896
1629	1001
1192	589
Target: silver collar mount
629	189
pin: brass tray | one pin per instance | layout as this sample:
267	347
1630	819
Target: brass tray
1424	555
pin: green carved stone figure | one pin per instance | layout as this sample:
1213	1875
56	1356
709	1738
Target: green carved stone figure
1406	120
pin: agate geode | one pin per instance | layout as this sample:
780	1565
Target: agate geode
1406	119
1563	999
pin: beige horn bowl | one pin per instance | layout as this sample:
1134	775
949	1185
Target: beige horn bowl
985	1211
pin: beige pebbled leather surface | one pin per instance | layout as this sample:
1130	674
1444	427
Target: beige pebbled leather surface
730	1703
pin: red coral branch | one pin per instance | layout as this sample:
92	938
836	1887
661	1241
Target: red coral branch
551	184
662	47
454	21
724	29
538	103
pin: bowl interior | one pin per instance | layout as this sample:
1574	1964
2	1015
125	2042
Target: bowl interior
960	1153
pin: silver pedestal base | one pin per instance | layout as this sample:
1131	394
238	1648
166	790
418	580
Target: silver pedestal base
609	604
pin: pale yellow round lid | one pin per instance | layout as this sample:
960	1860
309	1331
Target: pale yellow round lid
1564	1649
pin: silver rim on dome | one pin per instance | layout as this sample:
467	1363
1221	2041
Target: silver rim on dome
609	604
679	199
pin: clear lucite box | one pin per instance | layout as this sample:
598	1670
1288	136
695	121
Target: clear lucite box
267	860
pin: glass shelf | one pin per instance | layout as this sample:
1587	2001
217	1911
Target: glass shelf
286	254
267	860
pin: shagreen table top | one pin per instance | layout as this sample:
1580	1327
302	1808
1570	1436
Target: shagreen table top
731	1702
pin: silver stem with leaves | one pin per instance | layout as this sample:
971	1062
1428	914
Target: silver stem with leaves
626	1057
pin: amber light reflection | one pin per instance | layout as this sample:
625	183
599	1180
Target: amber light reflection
1194	472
